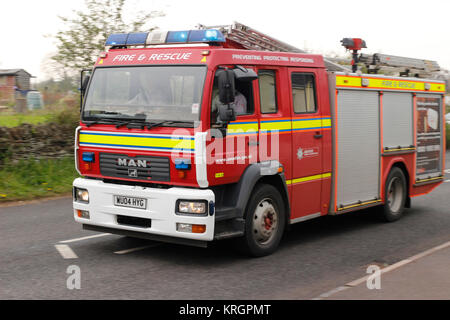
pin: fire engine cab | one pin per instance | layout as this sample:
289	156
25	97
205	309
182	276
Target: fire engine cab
224	132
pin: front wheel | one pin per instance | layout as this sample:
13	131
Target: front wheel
264	222
394	195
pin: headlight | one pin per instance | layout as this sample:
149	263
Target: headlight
192	207
81	195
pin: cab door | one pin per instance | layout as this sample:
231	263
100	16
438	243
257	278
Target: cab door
307	145
233	153
275	117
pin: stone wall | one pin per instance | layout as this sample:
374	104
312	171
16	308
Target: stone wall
36	141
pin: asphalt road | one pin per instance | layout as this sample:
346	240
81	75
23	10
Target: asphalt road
314	257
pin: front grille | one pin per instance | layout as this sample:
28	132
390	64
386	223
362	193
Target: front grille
139	168
134	222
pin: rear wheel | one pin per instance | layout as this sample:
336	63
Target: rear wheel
264	222
394	196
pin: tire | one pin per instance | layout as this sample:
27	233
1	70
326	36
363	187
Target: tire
265	222
394	196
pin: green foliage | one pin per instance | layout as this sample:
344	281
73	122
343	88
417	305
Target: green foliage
65	115
65	85
35	179
11	120
69	117
83	40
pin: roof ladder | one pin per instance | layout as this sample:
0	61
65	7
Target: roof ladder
251	39
405	66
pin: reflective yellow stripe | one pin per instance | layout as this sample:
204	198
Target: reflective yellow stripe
439	87
276	125
326	122
136	141
399	149
298	124
310	178
247	127
386	83
307	124
359	205
431	179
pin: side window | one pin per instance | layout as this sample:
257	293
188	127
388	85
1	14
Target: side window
243	103
303	93
267	91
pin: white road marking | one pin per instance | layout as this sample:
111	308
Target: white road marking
447	181
383	271
137	249
331	292
447	170
65	251
86	238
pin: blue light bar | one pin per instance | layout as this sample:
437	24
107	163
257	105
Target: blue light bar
210	35
118	39
138	38
88	156
177	36
159	37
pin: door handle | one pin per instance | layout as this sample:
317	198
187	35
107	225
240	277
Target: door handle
318	135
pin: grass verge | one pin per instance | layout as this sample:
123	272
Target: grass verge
62	115
16	119
31	179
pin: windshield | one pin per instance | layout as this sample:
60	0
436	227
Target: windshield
145	93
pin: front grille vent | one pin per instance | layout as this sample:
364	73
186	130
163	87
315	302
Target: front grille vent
134	222
139	168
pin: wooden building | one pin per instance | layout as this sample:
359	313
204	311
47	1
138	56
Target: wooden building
14	85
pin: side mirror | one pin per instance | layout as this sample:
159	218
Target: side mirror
225	81
84	83
244	75
85	77
226	114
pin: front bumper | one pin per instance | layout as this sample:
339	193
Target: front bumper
160	209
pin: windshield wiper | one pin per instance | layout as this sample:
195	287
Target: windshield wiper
178	123
100	121
137	123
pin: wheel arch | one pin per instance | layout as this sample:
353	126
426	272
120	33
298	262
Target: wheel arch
400	163
279	182
238	195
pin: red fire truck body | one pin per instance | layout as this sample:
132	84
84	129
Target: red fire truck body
310	143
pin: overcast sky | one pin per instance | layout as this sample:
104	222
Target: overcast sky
417	29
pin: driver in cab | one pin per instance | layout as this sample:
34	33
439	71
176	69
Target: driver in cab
239	105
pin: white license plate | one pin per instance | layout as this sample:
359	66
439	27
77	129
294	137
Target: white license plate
130	202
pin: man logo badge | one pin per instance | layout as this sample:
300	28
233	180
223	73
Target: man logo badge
132	163
133	173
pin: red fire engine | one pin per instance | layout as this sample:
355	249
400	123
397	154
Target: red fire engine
222	132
